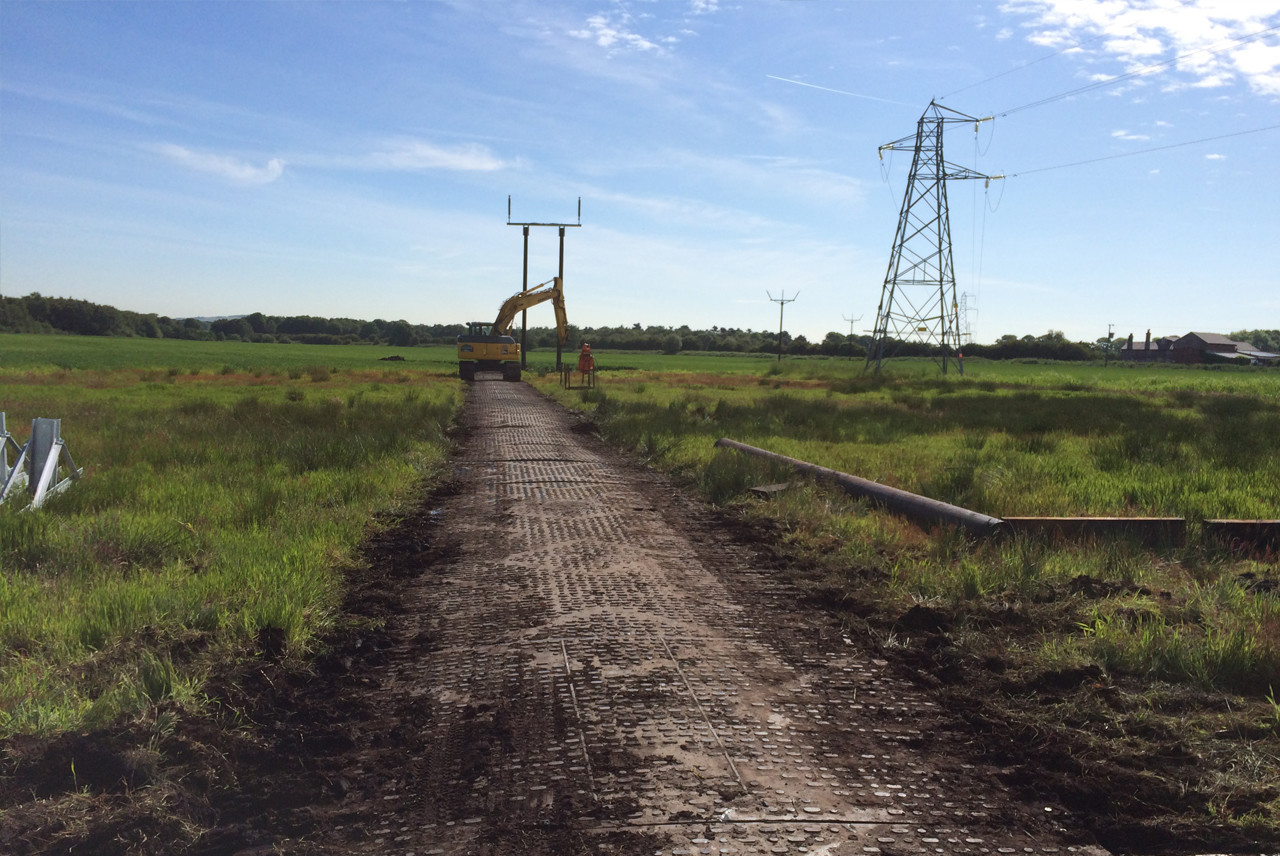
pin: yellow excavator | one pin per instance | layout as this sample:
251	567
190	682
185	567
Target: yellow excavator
491	347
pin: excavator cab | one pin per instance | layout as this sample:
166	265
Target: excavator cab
479	350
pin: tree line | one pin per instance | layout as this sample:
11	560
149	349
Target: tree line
36	313
1263	340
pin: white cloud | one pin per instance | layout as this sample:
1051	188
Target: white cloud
231	168
703	7
1125	135
1215	157
1135	46
415	155
610	32
1215	41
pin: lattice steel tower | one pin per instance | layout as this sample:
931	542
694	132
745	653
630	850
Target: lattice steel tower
918	301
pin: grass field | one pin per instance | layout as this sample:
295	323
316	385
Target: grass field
1005	439
229	485
226	487
45	354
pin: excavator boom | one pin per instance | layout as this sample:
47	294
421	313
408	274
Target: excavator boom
552	289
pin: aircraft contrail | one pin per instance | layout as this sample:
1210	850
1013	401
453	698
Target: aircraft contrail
837	91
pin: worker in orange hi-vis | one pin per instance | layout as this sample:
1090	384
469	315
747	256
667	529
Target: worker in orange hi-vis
586	362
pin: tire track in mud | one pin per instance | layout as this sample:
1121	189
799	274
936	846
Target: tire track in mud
596	668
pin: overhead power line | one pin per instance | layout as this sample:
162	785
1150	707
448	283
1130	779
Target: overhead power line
1025	65
1146	151
1075	44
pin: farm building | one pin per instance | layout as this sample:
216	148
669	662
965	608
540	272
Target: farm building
1148	351
1211	347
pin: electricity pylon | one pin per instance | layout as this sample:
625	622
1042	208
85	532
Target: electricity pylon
918	301
968	303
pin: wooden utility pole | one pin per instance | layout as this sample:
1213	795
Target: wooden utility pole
851	321
524	314
782	304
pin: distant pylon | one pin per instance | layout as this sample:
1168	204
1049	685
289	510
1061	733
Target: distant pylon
968	303
918	300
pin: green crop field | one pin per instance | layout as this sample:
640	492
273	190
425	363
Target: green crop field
226	486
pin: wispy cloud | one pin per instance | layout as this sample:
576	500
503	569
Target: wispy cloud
408	155
775	178
1215	43
232	169
95	102
397	155
1125	135
613	32
417	155
1215	157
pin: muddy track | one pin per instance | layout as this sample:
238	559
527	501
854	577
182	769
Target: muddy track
577	659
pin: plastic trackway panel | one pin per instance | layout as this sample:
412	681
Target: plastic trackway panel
588	668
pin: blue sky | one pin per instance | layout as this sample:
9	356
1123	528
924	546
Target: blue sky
355	159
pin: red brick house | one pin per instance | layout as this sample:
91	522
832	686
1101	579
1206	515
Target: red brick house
1211	347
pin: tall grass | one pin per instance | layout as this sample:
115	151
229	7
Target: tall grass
213	508
1008	440
1001	448
1222	636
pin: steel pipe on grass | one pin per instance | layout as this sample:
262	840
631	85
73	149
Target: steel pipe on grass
922	509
